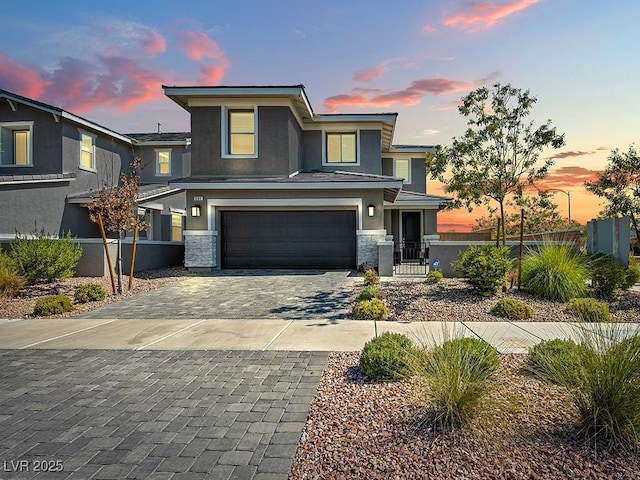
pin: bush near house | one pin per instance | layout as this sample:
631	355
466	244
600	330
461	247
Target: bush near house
632	275
372	309
554	272
388	357
588	309
371	277
10	281
53	305
484	267
89	292
607	275
369	292
45	258
512	309
434	276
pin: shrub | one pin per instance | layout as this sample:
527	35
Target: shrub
52	305
607	275
10	281
631	276
364	266
387	357
434	276
372	309
554	272
457	377
89	292
549	357
512	309
369	292
588	309
484	267
44	258
371	277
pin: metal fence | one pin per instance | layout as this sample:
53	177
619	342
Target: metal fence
410	258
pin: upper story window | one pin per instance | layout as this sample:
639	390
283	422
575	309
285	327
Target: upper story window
15	144
402	169
163	161
87	151
240	132
341	148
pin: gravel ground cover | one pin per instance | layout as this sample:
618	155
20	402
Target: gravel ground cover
22	304
453	300
359	429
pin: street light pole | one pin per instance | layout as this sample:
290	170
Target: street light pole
568	194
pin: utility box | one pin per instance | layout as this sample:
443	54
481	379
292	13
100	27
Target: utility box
611	237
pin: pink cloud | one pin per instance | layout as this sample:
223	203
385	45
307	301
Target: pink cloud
211	75
482	15
567	178
411	95
369	74
20	78
429	29
152	42
198	45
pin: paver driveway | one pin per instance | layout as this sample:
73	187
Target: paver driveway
153	414
239	294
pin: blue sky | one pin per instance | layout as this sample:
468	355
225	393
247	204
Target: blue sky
107	61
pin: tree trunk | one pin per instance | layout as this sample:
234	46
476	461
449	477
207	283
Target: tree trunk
106	252
119	262
504	242
133	255
634	222
521	247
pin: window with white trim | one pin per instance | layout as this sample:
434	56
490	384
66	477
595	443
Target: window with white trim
163	161
16	144
239	132
402	169
341	147
87	151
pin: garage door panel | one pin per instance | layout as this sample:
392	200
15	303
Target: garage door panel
280	239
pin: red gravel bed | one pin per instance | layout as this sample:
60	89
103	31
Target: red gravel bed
362	430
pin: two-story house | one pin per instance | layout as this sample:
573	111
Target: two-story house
52	162
275	185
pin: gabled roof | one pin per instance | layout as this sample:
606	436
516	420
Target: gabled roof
145	193
416	199
43	178
57	112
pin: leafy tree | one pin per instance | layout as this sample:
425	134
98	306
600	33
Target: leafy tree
115	208
498	154
619	185
541	215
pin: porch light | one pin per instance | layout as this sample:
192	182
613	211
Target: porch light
195	211
371	210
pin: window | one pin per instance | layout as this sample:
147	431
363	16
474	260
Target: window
341	148
176	227
239	132
87	151
402	169
163	162
15	144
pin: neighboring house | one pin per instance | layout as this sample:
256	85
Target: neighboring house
52	162
274	185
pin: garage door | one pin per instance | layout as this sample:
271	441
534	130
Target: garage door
298	239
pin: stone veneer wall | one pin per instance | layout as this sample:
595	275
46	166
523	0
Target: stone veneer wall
367	245
200	249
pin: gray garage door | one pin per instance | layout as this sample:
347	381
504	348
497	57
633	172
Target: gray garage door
278	239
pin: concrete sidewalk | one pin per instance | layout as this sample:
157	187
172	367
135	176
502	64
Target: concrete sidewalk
270	334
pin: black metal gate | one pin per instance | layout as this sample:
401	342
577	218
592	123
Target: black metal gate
410	258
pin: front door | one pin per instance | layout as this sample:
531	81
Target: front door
411	235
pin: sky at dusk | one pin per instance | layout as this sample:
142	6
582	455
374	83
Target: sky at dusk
106	61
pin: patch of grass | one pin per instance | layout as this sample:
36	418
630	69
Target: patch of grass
588	309
554	272
551	356
387	357
512	309
457	377
10	281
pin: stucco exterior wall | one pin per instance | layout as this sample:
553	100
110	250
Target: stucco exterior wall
369	151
